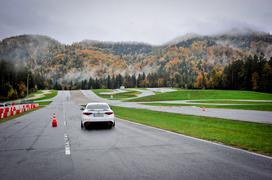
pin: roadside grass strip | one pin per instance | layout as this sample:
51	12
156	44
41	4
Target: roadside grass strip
242	106
205	94
124	95
44	103
256	102
35	93
116	96
98	91
50	95
254	137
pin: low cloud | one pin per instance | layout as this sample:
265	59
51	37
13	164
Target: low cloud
148	21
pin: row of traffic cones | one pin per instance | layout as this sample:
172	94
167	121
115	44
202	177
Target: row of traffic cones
54	121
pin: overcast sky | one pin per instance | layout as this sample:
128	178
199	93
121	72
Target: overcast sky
151	21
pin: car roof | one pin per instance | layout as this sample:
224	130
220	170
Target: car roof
94	103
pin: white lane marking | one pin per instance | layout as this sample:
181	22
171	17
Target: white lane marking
202	140
64	116
67	145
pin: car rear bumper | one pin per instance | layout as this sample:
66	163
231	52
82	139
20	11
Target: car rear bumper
104	120
98	123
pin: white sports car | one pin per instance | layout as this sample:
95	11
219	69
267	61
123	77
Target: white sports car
97	113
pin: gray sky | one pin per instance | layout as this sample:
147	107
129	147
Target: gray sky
151	21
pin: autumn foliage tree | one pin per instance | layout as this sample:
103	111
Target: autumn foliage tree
13	81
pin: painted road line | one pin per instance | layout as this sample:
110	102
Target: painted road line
67	145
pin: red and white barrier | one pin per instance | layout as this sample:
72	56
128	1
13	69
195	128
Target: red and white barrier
16	109
1	112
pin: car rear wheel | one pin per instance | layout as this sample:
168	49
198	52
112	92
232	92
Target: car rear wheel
82	126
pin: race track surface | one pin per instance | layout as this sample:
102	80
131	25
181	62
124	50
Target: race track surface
31	149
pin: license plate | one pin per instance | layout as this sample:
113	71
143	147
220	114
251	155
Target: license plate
98	115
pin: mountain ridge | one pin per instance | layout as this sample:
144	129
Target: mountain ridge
187	56
186	36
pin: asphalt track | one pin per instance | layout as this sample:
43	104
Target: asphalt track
31	149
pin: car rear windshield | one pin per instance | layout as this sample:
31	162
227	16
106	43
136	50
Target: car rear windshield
98	106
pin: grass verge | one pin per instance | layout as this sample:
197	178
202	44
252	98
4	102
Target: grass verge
254	137
44	103
50	95
259	107
98	91
205	94
230	102
117	96
33	94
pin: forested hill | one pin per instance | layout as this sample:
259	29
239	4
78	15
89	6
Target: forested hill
191	61
23	48
117	48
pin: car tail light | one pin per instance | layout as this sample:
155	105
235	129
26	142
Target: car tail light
109	113
87	113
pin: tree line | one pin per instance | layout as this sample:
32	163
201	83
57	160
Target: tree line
250	73
13	81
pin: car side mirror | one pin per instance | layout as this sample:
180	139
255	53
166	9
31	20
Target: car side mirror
82	108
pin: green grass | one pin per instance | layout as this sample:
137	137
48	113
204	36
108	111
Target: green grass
124	95
134	89
118	96
230	102
259	107
205	94
97	91
44	103
29	96
33	94
50	95
250	136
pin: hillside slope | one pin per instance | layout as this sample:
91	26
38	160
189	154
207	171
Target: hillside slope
184	58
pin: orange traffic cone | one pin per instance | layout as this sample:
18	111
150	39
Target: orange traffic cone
54	121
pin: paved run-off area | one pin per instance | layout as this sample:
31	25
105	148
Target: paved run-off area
31	149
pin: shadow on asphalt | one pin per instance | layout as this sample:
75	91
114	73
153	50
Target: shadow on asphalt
98	126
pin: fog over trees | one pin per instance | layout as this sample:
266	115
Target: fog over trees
251	73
